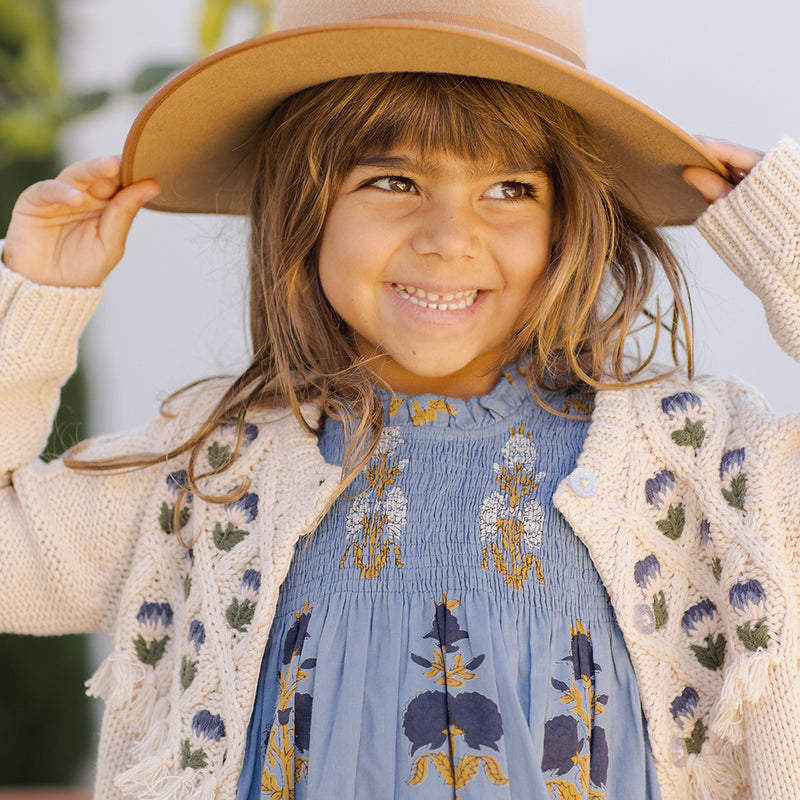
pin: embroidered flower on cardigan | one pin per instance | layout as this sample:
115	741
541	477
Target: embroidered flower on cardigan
196	638
701	623
685	407
151	642
220	452
748	600
685	712
176	484
731	474
652	615
661	494
237	514
239	613
706	541
207	728
187	578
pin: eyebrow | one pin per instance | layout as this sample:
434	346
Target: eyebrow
477	169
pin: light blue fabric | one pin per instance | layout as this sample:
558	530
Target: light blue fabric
443	633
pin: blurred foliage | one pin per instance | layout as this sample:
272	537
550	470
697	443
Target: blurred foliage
45	719
34	103
46	730
216	13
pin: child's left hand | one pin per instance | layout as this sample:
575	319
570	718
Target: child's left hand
738	159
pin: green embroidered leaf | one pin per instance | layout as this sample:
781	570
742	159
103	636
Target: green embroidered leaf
188	671
187	586
192	758
166	517
228	538
716	569
756	637
219	455
694	742
240	615
691	435
672	526
735	495
152	653
660	609
713	655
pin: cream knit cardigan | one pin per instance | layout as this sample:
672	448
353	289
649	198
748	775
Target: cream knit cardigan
686	495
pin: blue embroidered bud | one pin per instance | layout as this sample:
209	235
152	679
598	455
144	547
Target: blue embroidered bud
242	511
207	727
647	573
251	583
660	490
682	404
700	620
748	599
684	709
197	635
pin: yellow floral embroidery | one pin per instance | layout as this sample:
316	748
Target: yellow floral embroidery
378	515
394	405
511	520
420	416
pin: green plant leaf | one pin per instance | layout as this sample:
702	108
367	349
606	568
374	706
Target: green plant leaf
153	75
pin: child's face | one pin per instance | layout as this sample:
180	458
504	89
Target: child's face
432	261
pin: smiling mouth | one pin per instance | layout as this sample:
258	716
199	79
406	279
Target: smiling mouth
454	301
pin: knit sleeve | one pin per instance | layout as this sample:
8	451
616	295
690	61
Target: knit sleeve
66	538
756	231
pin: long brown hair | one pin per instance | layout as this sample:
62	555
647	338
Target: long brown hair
599	279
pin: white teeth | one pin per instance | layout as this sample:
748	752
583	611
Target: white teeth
453	301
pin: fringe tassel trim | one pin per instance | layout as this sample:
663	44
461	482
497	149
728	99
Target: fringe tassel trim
717	777
746	682
125	685
152	780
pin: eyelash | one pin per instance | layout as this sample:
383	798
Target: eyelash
529	190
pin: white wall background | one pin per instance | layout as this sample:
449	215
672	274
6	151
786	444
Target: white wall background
174	309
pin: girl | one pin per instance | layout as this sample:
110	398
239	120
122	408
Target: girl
447	535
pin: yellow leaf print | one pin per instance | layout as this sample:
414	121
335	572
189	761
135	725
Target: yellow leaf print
563	790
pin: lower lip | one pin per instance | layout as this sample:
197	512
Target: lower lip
435	315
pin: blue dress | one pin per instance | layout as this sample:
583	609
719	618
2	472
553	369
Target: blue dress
443	633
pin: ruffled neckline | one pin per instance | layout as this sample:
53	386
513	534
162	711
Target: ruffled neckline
509	394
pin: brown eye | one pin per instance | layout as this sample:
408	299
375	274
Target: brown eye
510	190
394	183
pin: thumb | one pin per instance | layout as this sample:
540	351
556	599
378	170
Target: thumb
122	209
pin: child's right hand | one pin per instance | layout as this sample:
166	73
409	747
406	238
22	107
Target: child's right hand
71	231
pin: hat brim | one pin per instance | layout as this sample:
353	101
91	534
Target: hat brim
196	136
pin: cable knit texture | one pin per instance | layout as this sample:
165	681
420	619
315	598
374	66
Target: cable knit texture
685	494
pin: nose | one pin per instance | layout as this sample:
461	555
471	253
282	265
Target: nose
447	229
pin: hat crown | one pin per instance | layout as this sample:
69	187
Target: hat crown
561	21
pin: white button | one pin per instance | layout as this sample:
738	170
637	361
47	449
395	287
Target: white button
678	752
645	619
583	482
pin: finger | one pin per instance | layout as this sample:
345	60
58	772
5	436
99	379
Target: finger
84	174
709	183
49	193
122	209
736	156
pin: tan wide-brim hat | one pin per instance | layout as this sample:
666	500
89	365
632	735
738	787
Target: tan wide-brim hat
196	136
